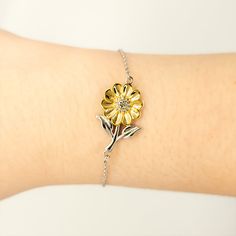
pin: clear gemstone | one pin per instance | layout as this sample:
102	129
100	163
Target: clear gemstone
123	105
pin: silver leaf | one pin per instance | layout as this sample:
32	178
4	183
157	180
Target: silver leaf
106	124
129	131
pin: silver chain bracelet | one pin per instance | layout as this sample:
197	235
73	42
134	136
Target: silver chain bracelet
121	106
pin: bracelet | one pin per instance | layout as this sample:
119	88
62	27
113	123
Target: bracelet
121	105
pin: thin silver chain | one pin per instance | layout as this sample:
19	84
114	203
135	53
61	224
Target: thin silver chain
129	78
105	168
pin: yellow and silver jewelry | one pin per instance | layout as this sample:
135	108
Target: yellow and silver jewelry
121	106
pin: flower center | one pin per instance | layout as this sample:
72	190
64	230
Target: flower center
123	105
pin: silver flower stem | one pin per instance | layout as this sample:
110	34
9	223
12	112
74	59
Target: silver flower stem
107	152
114	139
115	134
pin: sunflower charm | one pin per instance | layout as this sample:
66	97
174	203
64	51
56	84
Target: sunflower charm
121	106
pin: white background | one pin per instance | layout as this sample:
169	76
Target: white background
161	26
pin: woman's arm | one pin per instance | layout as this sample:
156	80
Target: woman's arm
50	96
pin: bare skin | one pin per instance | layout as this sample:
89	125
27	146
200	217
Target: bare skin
50	96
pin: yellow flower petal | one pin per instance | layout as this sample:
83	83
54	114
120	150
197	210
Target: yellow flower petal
134	113
110	112
127	118
109	95
137	104
113	118
117	89
127	90
105	104
116	120
135	95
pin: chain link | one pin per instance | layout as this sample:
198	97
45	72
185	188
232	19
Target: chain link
129	78
105	168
